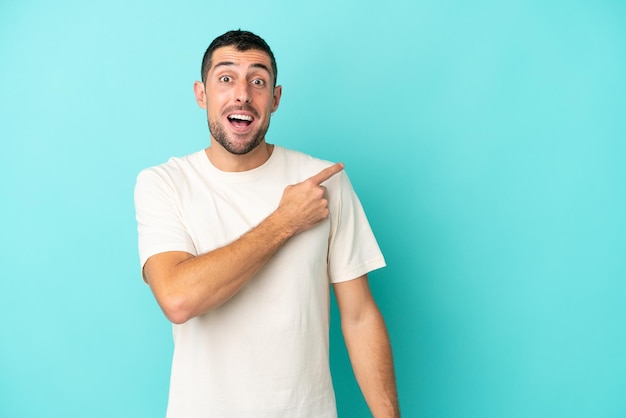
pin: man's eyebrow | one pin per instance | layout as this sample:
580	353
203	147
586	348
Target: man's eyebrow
263	66
223	64
255	65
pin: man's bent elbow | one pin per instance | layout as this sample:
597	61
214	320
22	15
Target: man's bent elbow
176	310
180	309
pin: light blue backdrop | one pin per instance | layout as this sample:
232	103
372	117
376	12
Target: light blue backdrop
485	138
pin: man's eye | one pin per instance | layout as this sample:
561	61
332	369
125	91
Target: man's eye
225	79
258	82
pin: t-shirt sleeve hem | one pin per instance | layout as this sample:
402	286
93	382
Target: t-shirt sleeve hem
358	271
143	258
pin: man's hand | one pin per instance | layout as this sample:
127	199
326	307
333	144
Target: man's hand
304	205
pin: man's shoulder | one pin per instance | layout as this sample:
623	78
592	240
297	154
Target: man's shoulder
170	174
175	165
302	159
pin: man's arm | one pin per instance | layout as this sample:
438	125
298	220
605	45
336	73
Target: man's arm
368	346
186	286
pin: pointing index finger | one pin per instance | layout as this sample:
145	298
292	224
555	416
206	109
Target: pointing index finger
327	173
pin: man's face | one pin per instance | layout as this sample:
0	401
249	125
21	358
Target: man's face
239	98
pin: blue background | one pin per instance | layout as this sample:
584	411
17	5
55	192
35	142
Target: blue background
485	139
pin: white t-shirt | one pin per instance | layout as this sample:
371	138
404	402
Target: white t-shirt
263	353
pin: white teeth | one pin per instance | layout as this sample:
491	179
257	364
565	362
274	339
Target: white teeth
241	117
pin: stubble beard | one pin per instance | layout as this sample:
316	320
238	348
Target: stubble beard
220	135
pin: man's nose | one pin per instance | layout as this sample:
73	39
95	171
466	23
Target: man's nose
242	92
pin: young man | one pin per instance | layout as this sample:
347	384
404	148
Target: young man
239	243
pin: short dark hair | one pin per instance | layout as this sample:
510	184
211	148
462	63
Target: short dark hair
243	41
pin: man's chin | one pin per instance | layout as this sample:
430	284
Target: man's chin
236	144
240	148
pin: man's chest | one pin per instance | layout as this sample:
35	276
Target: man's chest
215	217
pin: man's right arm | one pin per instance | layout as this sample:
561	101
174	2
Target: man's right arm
186	286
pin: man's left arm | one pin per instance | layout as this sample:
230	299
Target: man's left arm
368	345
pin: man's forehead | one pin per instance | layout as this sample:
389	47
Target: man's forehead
230	56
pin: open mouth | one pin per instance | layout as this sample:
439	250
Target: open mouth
240	121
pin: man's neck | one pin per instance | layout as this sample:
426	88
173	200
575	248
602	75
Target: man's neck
229	162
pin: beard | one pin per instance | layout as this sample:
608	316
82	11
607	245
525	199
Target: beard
234	147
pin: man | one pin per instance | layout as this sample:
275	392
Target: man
239	243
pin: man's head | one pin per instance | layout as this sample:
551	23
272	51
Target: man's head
238	91
241	40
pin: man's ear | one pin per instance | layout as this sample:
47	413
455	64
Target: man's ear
278	91
198	90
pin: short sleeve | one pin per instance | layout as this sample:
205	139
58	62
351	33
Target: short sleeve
353	250
159	222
